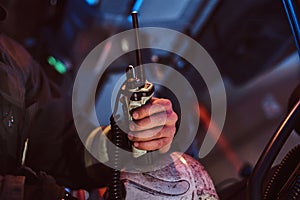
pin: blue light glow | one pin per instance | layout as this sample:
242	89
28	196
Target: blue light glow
92	2
136	7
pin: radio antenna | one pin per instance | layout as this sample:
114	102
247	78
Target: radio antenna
140	74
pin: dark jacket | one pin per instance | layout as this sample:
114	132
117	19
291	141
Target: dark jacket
33	107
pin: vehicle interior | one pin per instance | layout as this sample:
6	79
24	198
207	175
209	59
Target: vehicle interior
251	42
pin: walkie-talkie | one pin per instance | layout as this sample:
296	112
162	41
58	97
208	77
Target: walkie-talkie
137	91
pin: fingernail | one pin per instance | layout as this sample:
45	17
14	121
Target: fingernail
132	126
135	115
130	137
136	144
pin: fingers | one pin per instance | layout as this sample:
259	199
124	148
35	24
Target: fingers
156	120
154	125
157	140
152	134
153	144
154	106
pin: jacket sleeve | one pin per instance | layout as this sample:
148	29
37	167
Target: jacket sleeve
54	145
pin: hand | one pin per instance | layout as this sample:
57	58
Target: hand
154	125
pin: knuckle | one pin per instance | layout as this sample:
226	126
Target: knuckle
173	130
168	104
159	134
165	141
173	117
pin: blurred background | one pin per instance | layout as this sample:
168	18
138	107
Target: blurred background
250	41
